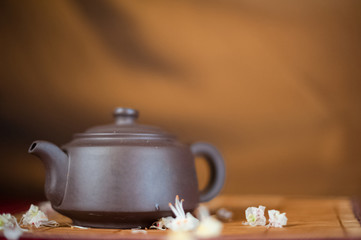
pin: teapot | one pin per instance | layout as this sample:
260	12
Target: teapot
124	175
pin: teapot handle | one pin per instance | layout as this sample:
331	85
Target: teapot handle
217	167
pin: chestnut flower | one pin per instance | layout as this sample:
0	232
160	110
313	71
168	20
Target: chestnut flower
224	214
35	217
255	216
182	221
4	219
276	219
10	226
208	226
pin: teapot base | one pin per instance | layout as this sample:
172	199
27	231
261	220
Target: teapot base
119	220
112	225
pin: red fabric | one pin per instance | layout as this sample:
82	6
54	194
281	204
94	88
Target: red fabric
16	205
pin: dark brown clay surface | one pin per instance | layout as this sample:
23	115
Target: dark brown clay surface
115	219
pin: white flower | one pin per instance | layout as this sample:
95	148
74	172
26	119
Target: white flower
161	223
182	221
4	218
208	225
35	217
255	216
277	219
224	214
9	224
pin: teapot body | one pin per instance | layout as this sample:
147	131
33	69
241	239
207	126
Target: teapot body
109	179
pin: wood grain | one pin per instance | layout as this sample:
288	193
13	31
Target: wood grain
308	218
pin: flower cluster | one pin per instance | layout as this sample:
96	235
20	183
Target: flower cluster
207	226
181	222
255	217
35	217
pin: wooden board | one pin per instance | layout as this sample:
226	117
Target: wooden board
308	218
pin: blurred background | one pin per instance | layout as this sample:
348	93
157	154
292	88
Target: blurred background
275	85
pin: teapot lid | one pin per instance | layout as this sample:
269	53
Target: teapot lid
125	125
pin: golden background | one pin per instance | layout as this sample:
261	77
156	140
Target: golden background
275	85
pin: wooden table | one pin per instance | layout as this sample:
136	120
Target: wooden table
308	218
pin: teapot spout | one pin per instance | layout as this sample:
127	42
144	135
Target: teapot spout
56	163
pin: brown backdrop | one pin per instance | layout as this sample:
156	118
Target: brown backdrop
274	84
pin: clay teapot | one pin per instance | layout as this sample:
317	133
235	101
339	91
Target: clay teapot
123	175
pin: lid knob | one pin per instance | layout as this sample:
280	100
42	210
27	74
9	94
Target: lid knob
125	115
